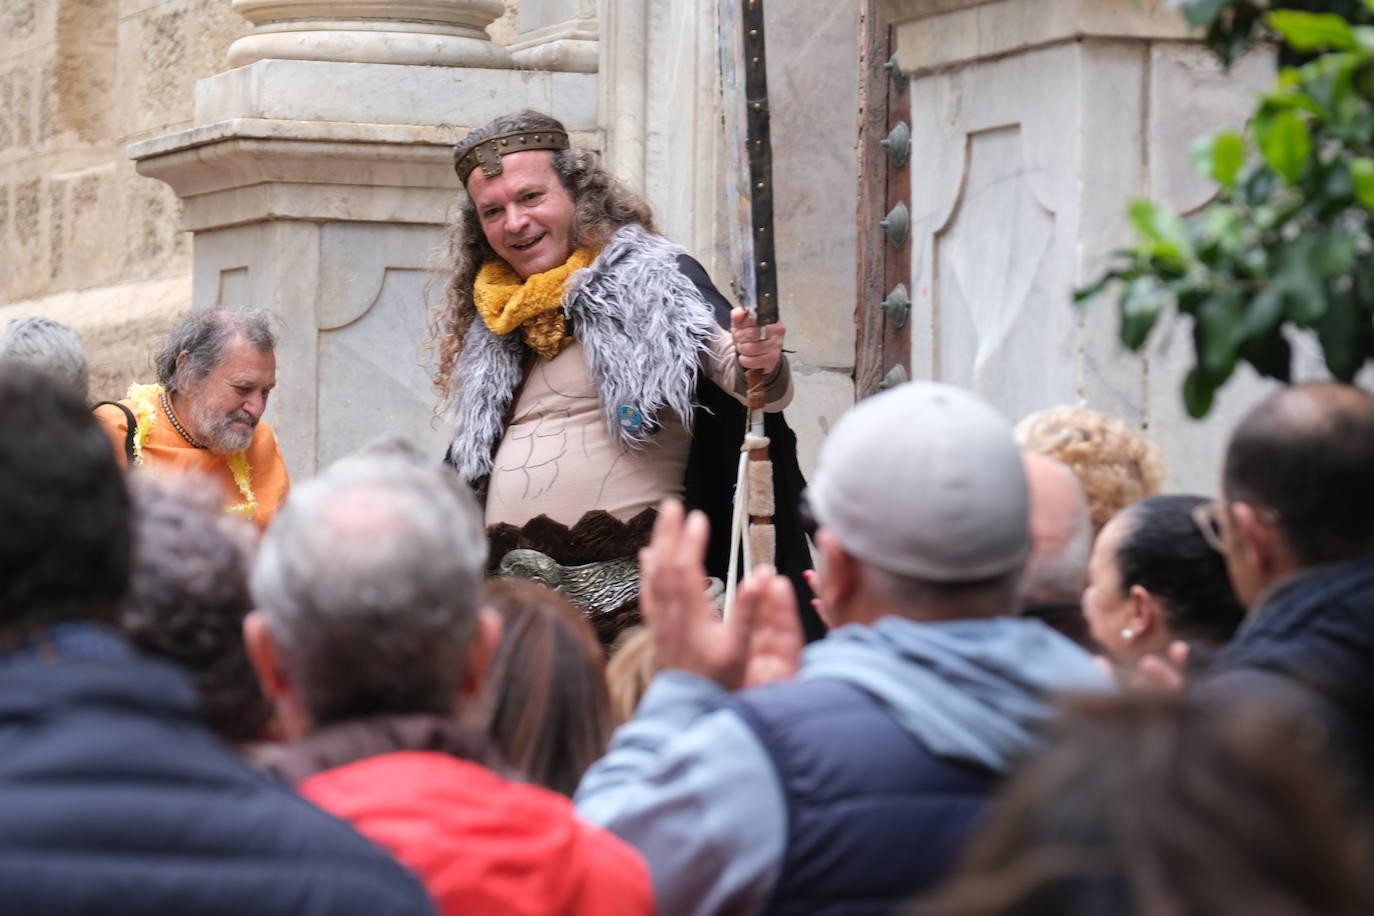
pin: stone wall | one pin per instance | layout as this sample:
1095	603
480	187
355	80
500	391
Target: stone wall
83	238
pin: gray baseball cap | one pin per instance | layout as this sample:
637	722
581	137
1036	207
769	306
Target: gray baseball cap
925	481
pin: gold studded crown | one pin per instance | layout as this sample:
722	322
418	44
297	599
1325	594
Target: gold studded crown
488	153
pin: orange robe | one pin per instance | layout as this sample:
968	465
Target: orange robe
165	450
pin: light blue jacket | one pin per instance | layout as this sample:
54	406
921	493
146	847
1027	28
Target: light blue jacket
690	785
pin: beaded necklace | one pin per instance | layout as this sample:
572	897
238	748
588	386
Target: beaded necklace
176	424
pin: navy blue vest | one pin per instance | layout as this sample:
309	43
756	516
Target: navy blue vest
872	816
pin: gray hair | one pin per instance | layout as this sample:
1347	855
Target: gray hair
1059	576
51	347
369	580
203	337
1060	572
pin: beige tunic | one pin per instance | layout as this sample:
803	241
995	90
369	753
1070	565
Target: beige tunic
558	457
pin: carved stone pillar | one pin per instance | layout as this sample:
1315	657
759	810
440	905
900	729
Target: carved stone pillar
317	181
436	33
557	35
1033	123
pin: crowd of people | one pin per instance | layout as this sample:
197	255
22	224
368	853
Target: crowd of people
1016	678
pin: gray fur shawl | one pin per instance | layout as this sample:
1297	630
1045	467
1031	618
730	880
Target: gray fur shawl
643	325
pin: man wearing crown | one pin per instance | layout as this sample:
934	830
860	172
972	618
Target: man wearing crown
591	369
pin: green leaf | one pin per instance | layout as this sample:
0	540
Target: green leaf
1362	173
1337	254
1303	283
1198	391
1339	336
1258	187
1094	289
1140	306
1163	228
1270	355
1219	156
1336	186
1263	313
1219	332
1285	142
1312	31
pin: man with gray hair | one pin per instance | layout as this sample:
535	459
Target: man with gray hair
369	639
215	372
52	347
1061	534
855	784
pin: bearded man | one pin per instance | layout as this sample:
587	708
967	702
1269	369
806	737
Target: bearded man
214	374
592	370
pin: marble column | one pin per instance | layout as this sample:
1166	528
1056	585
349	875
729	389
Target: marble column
435	33
316	180
557	35
1034	122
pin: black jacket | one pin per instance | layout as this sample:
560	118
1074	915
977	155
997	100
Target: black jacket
713	465
1310	645
115	799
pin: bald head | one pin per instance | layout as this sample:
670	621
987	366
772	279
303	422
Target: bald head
1060	531
1306	455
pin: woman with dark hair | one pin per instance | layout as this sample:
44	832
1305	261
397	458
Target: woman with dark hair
1147	805
1157	575
545	702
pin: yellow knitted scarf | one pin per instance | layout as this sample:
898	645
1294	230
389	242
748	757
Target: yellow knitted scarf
534	305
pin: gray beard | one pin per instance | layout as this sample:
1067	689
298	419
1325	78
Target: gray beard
218	436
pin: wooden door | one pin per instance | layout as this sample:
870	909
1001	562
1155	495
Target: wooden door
883	333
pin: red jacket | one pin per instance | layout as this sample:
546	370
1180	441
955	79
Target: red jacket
481	843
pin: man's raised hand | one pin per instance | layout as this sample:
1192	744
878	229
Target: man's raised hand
687	634
775	640
761	642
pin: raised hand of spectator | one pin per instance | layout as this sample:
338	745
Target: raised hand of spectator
687	634
775	639
813	581
1162	674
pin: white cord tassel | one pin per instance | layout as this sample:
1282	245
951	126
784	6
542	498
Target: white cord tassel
737	522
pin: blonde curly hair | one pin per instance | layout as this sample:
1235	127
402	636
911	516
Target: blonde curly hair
601	205
1117	465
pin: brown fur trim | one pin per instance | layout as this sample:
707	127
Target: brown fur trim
598	536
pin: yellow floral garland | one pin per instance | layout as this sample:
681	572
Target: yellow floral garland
145	413
243	477
145	398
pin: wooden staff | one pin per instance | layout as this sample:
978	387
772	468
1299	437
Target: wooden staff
754	491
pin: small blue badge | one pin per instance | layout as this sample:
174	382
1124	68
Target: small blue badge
630	418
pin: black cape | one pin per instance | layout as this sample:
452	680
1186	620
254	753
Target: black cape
713	465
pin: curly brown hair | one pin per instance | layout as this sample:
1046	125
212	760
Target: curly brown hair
601	205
